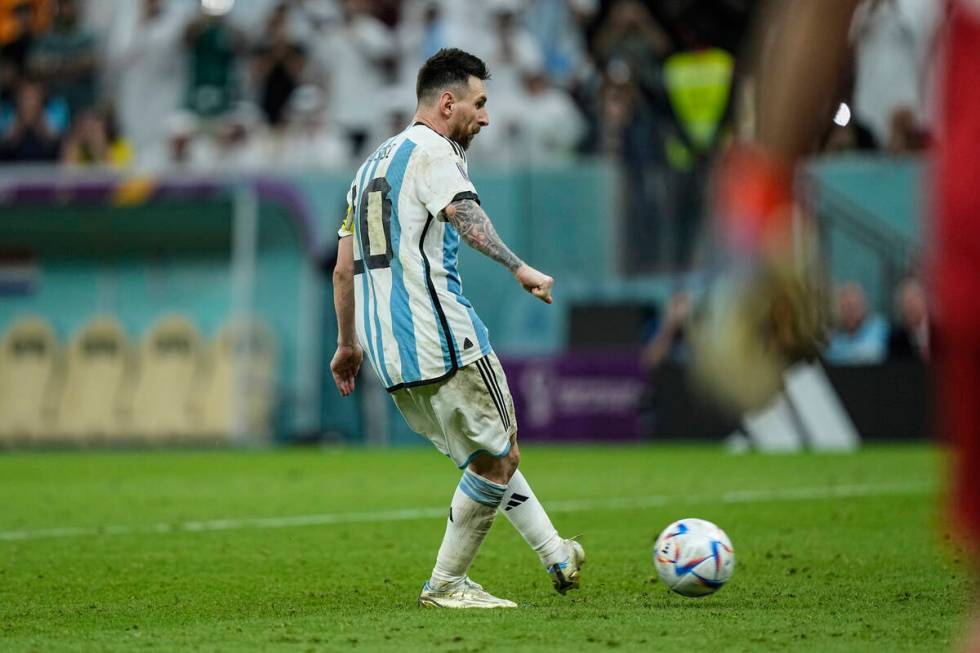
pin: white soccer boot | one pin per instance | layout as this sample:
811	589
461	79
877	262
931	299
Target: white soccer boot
464	594
565	575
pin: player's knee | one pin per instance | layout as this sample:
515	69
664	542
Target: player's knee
512	459
499	470
508	465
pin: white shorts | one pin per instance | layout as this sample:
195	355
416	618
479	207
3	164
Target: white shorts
469	413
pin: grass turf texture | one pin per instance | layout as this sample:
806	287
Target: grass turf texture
865	573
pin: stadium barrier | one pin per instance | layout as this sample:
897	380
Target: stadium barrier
886	402
606	396
587	396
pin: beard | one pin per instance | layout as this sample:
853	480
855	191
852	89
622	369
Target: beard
463	138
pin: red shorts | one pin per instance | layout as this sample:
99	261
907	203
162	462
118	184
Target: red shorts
955	264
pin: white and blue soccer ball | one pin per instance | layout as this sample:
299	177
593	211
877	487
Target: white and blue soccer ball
694	557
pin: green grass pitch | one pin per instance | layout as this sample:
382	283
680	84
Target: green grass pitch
325	550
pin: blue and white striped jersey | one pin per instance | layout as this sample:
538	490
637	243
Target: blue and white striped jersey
412	319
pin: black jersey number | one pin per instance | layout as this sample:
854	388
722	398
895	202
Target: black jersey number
375	221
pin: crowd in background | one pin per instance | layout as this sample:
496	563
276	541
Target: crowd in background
859	335
218	85
225	86
862	336
215	83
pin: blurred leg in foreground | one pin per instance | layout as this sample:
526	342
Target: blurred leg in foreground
798	72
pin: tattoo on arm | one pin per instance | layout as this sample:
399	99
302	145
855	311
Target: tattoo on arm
474	226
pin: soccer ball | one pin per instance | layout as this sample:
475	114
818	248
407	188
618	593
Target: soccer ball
694	557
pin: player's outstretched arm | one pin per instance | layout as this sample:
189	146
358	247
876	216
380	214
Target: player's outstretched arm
474	226
347	359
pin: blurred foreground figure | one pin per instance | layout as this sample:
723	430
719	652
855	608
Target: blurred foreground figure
399	299
797	78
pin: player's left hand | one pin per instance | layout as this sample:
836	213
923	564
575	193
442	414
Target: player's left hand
345	365
535	282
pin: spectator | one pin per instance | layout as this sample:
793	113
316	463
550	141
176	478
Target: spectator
629	127
395	108
668	406
250	17
183	147
188	149
359	52
632	35
423	31
511	51
909	337
858	338
149	65
633	121
515	59
213	45
617	104
21	21
558	26
669	341
309	24
552	127
241	141
893	41
98	17
94	141
468	22
698	83
30	136
65	59
309	140
278	66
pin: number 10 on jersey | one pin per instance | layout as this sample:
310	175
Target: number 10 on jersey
374	217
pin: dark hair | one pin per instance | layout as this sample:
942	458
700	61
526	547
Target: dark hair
449	67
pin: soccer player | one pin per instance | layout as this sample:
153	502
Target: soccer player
798	77
399	299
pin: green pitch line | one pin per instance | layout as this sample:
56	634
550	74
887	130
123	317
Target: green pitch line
325	550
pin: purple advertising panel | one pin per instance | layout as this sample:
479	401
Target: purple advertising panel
584	396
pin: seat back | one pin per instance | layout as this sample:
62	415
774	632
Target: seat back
98	369
168	366
238	395
29	380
